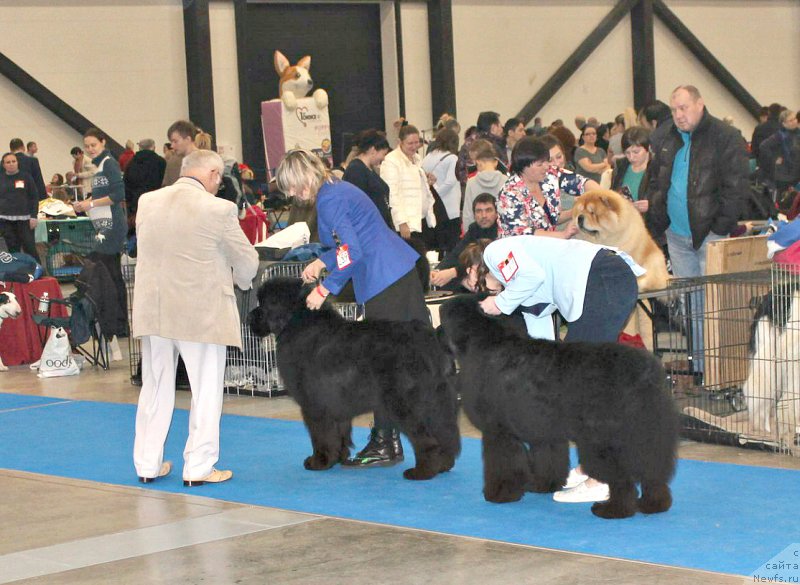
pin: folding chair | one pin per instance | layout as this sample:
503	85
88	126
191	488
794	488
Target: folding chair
98	355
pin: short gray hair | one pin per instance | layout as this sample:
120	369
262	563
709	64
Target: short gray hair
299	169
202	159
147	144
785	115
690	89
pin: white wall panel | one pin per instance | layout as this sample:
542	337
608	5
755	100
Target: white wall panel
758	42
226	77
505	51
417	64
119	62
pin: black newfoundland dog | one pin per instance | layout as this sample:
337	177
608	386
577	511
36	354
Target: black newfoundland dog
530	397
336	369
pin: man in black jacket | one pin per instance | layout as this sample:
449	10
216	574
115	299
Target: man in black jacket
765	129
697	181
484	227
19	206
29	165
145	173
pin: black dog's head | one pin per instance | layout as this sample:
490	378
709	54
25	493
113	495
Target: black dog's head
278	300
463	322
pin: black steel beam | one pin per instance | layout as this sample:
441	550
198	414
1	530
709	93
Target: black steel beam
443	70
699	50
575	60
643	49
199	77
61	109
398	39
246	115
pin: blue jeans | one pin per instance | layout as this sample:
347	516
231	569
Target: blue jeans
611	293
690	263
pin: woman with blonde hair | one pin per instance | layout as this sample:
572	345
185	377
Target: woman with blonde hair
362	248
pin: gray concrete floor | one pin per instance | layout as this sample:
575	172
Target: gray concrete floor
56	530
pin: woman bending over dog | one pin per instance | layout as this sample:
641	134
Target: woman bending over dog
592	287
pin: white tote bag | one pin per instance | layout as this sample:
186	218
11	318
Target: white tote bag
57	357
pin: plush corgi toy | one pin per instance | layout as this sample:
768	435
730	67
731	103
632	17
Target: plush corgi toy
296	82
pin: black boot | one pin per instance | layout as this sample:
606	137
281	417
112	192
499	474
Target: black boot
383	450
397	445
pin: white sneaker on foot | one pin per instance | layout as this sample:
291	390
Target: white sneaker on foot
575	478
583	493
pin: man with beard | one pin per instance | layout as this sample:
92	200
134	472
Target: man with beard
484	209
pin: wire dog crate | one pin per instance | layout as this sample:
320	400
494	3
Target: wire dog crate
68	242
251	370
731	348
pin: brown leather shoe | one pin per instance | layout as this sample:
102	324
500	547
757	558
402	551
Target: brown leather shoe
166	467
216	476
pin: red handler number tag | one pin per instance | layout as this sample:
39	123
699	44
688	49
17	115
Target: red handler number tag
508	267
342	257
19	184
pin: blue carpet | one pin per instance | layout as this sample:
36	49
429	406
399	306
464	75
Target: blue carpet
14	401
726	518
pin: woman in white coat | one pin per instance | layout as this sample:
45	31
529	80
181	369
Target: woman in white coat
410	199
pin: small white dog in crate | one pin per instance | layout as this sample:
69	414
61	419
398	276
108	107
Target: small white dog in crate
772	387
9	309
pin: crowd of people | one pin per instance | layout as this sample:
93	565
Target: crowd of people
495	210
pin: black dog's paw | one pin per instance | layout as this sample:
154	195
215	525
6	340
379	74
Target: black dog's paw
447	463
317	463
543	486
416	473
502	494
611	510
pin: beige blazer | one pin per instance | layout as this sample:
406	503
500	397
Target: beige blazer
191	251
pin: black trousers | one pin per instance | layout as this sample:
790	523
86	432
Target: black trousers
19	237
402	301
113	264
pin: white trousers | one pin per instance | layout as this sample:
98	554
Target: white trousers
205	365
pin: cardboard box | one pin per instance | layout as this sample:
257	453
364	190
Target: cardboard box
727	312
306	127
737	255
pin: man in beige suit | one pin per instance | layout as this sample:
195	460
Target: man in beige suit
191	253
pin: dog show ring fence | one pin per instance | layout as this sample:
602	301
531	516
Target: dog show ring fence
730	345
252	370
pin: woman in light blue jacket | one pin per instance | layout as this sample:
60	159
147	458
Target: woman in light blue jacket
594	288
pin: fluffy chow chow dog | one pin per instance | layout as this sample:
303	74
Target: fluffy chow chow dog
530	397
607	218
337	369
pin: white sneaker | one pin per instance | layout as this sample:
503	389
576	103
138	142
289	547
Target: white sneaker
574	478
583	493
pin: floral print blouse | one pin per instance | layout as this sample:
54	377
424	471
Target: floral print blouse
520	214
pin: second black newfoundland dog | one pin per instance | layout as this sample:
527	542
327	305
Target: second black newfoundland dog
530	397
336	369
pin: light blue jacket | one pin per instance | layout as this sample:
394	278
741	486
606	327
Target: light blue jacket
552	275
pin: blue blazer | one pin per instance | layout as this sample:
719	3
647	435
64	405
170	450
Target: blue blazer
378	256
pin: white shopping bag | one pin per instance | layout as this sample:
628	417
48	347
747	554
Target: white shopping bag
57	357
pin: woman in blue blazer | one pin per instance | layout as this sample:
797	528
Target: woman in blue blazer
361	248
